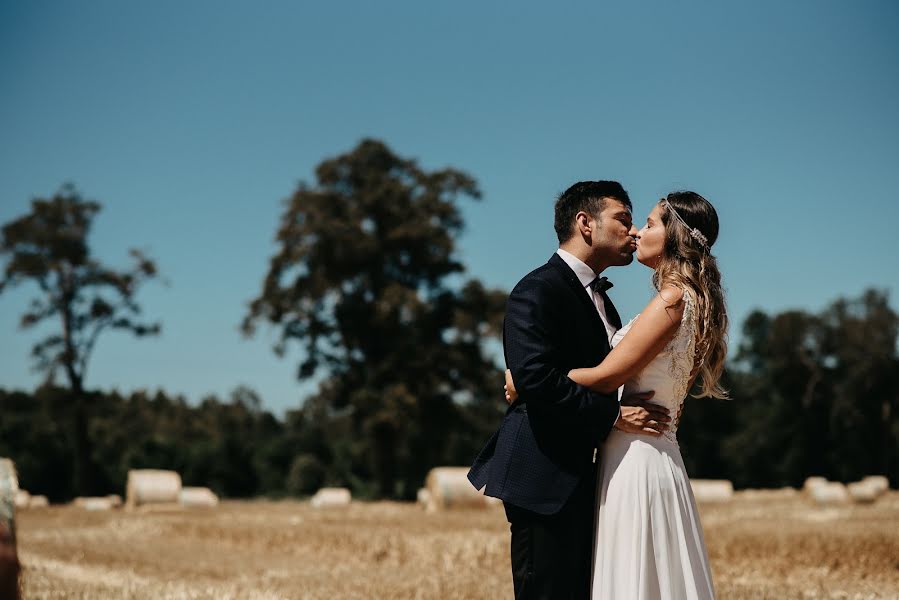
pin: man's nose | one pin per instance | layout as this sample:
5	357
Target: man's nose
633	232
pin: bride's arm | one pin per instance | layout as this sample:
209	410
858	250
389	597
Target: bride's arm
647	337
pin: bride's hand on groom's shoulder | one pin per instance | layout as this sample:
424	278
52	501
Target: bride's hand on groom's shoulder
639	415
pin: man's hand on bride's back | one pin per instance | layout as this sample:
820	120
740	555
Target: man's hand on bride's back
511	394
639	415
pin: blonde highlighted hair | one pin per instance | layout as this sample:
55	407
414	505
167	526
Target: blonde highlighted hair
687	263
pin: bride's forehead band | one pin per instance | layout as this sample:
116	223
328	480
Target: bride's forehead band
694	233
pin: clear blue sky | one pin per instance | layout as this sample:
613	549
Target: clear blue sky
191	121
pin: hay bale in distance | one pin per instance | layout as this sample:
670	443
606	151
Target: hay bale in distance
868	489
423	497
755	494
198	497
152	486
38	502
115	500
449	487
831	492
862	492
99	503
330	497
9	560
9	490
878	483
95	503
813	482
712	490
22	499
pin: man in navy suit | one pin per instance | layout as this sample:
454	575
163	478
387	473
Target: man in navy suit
542	460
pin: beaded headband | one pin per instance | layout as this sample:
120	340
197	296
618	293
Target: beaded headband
694	233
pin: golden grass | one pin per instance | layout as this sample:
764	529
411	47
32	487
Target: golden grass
780	548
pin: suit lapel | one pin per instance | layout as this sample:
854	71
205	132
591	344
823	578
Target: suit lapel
574	283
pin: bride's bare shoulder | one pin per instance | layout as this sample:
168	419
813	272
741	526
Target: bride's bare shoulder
671	295
669	301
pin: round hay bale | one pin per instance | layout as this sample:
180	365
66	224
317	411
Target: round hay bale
152	486
862	492
762	495
813	482
879	483
38	502
99	503
491	501
9	490
832	492
198	497
449	487
23	499
787	492
9	560
712	490
423	496
330	497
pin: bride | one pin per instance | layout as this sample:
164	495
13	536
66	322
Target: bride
649	542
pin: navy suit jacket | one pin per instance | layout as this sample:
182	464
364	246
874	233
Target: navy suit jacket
549	436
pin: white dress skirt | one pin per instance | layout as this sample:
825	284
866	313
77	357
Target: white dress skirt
649	540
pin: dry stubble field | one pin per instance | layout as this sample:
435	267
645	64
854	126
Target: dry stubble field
266	550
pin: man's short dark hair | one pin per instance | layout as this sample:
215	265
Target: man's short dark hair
587	196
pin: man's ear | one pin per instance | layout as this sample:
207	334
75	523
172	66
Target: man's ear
583	224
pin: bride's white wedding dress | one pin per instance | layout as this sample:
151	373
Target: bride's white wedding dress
649	542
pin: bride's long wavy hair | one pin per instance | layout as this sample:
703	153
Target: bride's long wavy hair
688	263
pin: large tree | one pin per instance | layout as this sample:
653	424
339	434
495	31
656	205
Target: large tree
367	280
49	247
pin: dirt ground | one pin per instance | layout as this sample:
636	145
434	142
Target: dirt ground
759	548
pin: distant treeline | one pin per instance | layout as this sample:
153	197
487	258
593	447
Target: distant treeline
233	446
813	394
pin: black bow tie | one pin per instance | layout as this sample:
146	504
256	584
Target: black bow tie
600	284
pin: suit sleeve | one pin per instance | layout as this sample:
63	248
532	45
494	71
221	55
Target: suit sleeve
532	336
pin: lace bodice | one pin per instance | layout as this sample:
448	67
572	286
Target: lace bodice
668	374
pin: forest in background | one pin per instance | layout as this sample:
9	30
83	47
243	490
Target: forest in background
812	394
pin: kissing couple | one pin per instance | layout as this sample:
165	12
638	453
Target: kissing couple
595	489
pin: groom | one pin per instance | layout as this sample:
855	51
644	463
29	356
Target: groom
542	460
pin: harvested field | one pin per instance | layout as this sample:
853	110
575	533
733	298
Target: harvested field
760	548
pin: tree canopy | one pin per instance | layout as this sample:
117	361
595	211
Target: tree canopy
49	247
366	280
